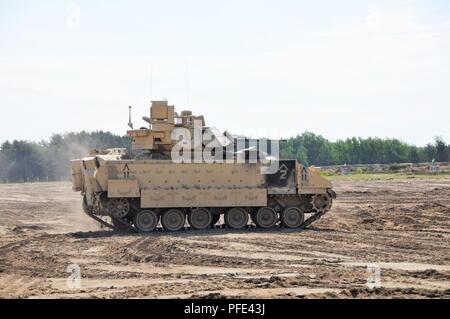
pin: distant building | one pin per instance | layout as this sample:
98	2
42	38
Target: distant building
434	168
345	170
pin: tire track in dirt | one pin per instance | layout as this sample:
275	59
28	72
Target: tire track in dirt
402	225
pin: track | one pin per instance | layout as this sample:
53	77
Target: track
251	227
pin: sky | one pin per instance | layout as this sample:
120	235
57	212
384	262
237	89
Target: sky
260	68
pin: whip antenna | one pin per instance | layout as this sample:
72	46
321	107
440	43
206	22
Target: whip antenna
129	117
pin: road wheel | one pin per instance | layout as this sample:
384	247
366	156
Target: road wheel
200	218
292	217
146	221
236	218
173	220
118	207
265	217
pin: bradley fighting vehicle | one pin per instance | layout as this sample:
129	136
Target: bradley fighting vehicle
147	190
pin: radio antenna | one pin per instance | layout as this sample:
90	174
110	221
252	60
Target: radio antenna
129	117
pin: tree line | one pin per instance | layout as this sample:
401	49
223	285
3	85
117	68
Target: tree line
22	161
312	149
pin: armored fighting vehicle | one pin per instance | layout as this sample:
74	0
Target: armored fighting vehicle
149	189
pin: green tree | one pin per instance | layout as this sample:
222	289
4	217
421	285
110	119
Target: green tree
414	154
442	154
22	161
429	153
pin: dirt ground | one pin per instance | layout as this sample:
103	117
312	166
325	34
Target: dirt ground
400	226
